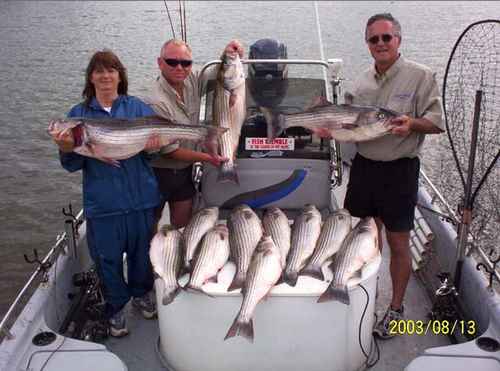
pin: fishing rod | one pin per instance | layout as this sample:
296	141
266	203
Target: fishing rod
182	19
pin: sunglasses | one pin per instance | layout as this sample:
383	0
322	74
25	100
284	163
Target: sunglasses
386	38
175	62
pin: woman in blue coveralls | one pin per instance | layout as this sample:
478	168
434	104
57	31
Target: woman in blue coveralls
118	202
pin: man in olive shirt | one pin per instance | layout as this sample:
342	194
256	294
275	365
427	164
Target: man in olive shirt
384	176
176	95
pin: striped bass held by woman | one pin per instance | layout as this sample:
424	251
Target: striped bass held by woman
229	111
111	139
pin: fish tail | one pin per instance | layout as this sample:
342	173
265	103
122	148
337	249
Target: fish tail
237	283
275	123
314	271
169	297
291	278
228	174
241	327
335	292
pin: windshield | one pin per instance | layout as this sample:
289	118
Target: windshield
285	96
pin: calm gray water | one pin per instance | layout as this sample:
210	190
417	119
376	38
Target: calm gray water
45	47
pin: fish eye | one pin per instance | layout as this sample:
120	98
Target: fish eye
381	115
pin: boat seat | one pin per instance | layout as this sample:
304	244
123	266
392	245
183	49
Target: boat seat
447	363
77	360
464	356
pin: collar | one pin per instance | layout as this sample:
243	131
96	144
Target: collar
94	103
167	88
393	70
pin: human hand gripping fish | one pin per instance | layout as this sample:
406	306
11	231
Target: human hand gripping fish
401	125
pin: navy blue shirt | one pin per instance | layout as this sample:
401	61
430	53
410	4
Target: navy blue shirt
107	189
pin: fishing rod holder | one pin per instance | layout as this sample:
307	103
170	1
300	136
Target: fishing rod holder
71	228
490	271
42	266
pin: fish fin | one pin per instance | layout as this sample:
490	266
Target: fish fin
237	283
167	298
242	328
335	292
228	175
196	290
313	271
291	278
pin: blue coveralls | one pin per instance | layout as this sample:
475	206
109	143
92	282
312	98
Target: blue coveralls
118	204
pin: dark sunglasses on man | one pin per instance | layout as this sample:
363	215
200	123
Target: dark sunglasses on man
185	63
386	38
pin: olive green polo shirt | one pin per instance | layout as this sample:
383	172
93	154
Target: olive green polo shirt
166	102
408	88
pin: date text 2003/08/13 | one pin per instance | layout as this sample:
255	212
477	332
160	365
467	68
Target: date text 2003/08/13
436	327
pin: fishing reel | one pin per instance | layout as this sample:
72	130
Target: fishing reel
444	307
85	319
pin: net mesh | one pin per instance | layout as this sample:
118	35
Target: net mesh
474	65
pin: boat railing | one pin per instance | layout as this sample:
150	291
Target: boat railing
452	217
65	243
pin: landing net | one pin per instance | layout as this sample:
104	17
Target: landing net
474	65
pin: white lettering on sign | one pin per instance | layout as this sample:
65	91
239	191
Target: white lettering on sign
259	144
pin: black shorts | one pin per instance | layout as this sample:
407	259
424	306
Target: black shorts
384	189
175	184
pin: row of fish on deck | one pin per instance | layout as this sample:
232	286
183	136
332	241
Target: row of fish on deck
265	252
113	139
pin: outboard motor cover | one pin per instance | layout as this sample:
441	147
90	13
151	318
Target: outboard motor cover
267	82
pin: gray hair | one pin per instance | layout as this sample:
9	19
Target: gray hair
384	17
176	42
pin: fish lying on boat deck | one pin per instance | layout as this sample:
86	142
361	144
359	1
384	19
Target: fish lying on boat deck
212	255
359	248
165	256
113	139
334	230
345	123
245	232
305	232
200	223
263	273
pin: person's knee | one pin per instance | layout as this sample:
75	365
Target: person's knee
399	242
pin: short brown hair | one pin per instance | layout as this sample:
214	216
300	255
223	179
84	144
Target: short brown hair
176	42
384	17
104	59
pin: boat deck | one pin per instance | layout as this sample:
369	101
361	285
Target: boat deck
139	349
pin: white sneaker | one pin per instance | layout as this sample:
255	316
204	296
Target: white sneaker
382	328
145	305
118	325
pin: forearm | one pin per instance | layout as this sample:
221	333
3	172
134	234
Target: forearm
188	155
424	126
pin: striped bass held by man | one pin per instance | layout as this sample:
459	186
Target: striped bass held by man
229	111
345	123
113	139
